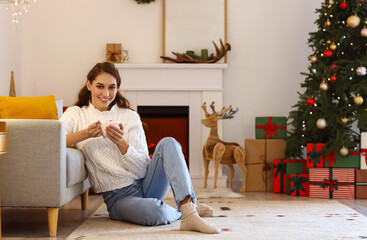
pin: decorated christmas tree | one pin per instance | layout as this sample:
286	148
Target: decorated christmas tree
332	108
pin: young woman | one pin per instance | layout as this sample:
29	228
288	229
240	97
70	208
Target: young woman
132	184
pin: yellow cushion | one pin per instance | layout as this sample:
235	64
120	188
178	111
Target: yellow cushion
28	107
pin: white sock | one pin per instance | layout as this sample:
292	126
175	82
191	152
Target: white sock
191	221
204	210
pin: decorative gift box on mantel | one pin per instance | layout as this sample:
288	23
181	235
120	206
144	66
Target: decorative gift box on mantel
113	52
260	154
271	127
332	182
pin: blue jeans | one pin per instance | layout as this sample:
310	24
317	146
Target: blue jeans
141	202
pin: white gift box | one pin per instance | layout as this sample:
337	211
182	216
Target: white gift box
364	150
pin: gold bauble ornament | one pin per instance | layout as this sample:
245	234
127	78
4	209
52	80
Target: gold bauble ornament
333	46
344	120
328	23
321	123
343	151
324	86
364	32
313	58
353	21
358	100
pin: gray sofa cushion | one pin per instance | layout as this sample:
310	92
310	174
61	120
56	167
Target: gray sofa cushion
75	169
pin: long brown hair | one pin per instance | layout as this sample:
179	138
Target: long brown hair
84	95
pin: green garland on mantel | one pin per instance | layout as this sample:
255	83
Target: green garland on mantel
144	1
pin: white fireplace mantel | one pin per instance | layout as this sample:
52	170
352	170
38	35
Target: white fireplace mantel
170	84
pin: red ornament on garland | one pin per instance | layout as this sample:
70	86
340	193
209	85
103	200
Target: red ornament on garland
332	67
333	79
310	101
361	1
328	53
343	5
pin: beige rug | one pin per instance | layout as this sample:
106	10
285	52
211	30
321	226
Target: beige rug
244	219
204	193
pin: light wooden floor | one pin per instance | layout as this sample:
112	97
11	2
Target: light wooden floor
32	223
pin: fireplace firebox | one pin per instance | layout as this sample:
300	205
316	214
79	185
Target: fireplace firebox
166	121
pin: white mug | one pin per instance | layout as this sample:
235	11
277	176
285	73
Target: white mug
108	123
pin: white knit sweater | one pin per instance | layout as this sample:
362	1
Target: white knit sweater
108	169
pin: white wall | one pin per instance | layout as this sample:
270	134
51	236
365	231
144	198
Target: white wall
63	39
10	51
269	50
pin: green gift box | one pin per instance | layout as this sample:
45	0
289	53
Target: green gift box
298	167
335	160
271	127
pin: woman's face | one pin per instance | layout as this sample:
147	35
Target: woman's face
103	91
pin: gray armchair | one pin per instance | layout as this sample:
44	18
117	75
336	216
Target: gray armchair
38	169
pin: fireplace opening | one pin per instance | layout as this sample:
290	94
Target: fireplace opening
166	121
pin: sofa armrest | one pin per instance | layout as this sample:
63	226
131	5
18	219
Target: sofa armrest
33	171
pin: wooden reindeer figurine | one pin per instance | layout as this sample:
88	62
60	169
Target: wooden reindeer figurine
215	149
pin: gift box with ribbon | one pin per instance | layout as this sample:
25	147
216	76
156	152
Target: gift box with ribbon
332	182
363	150
113	52
335	160
361	183
271	127
294	167
299	184
280	172
315	157
260	154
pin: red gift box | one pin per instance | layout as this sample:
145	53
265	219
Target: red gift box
280	178
332	182
299	184
314	155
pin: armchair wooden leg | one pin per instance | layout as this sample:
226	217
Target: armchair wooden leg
52	214
85	200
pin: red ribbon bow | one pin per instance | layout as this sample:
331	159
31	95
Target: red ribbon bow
270	128
330	184
364	153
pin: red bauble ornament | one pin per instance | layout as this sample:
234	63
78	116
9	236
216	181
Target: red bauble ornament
333	79
328	53
332	67
343	5
361	1
310	101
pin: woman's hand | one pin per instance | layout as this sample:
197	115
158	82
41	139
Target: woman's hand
116	135
94	130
